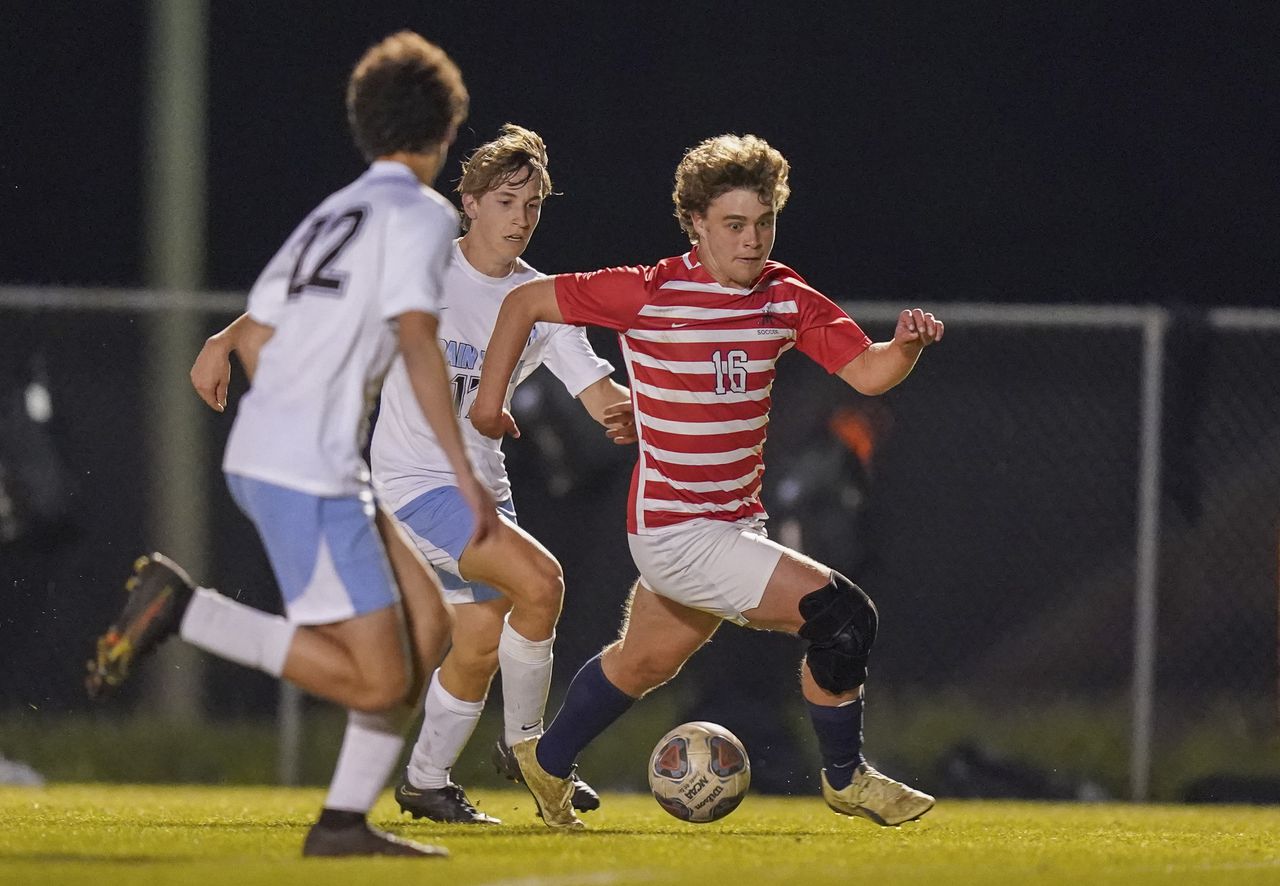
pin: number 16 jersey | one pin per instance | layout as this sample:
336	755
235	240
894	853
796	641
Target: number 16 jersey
370	252
701	357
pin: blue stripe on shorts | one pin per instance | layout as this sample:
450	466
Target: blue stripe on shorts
293	525
442	518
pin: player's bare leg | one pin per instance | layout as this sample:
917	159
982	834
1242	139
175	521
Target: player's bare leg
429	618
517	564
657	638
807	598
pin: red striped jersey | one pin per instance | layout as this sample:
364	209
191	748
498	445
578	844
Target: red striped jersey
701	357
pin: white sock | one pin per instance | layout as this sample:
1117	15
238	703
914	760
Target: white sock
239	633
370	751
526	680
447	725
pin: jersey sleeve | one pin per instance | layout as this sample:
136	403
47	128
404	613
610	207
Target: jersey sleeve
418	241
824	332
571	358
610	298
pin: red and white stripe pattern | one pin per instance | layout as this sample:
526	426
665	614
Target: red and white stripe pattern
702	358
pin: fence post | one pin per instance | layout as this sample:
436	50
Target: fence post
1148	552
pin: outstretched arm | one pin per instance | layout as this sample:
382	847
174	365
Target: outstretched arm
609	403
211	373
525	305
428	376
886	363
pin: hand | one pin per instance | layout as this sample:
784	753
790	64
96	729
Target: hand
482	507
494	425
916	328
620	423
211	373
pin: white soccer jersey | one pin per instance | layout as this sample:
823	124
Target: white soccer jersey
407	459
370	252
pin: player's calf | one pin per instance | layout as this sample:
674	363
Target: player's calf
159	592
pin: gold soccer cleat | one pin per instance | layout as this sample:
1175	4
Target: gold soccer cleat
878	797
553	795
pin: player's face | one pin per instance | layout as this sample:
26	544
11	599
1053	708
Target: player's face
735	237
503	219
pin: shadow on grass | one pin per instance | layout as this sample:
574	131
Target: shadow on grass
94	858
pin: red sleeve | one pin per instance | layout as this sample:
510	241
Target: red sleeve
824	331
610	298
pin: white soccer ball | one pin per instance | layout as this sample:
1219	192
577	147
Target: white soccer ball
699	772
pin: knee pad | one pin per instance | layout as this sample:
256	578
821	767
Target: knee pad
840	623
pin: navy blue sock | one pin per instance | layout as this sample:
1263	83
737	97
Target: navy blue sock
590	707
839	739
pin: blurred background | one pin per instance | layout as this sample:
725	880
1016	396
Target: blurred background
1068	516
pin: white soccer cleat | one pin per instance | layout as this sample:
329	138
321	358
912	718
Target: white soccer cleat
878	797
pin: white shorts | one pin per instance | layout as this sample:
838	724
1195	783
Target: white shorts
712	565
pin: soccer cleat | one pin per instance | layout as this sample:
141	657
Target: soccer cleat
585	799
360	839
878	797
448	804
553	795
159	591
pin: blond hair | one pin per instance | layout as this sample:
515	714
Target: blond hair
726	163
514	157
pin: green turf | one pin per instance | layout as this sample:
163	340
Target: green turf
96	834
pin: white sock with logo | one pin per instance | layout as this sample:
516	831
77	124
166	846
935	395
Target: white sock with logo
447	725
370	751
248	636
526	680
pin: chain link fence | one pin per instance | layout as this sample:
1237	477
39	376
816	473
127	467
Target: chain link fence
1063	505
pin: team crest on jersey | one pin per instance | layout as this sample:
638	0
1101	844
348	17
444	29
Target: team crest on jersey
767	317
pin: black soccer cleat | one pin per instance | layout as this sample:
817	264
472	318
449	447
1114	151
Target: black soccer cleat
448	804
327	841
585	799
159	591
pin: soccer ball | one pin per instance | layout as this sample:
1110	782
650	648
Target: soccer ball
699	772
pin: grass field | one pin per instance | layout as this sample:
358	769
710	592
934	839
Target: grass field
98	834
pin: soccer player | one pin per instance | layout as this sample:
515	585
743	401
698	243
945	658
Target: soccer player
507	588
701	334
506	608
358	280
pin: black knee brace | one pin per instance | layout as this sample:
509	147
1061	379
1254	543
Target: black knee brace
840	624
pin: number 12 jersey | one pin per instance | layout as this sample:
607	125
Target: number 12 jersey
370	252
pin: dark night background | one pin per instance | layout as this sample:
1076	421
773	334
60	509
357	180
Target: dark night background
1057	152
1051	153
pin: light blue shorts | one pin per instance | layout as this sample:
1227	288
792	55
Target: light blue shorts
440	524
326	553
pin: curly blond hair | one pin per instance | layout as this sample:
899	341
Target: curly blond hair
514	157
726	163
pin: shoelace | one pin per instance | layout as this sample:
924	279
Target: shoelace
455	791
